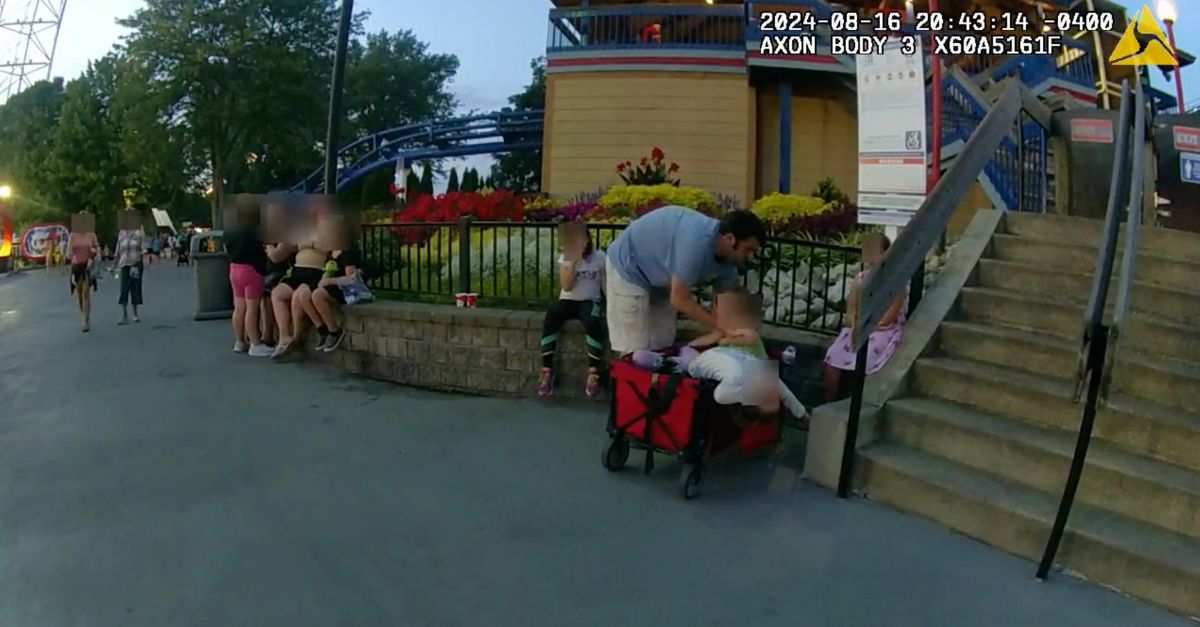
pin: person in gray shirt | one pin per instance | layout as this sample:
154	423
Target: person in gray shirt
653	265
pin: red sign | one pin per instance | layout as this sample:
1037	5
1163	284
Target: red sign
6	233
1187	138
37	239
1092	131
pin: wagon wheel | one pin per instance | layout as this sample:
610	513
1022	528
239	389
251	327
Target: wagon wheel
616	453
691	480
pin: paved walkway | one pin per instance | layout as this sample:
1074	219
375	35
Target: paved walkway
149	476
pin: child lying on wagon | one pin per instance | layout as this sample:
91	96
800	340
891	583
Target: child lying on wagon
738	359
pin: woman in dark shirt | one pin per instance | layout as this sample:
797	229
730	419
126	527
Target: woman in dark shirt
247	265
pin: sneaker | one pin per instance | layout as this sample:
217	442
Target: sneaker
593	388
260	350
546	383
239	347
333	341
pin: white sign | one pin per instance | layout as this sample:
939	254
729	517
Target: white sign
1189	167
891	135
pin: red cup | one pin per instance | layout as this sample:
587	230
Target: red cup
460	299
471	300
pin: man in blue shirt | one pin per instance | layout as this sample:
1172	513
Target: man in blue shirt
653	265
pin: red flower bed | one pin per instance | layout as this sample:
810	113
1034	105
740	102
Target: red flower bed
499	206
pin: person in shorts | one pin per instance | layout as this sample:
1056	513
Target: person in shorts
247	263
657	260
294	289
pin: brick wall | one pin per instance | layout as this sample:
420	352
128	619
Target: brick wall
495	352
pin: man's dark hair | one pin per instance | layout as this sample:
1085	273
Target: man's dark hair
743	225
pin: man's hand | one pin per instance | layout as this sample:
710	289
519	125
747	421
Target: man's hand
325	282
683	302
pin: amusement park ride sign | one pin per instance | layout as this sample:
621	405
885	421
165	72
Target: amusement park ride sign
36	240
891	135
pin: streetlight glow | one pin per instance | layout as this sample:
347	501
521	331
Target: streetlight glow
6	192
1166	11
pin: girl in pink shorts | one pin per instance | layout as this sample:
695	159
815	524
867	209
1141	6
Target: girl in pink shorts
247	265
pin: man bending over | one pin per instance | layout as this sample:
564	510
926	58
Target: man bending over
653	265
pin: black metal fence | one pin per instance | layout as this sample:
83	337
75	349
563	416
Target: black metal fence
805	284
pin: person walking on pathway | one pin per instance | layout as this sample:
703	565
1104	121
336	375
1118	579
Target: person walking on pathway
654	264
130	245
83	248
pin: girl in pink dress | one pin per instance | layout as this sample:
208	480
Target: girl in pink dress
884	339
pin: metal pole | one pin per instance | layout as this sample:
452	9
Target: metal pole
1178	74
333	130
937	105
1101	63
846	476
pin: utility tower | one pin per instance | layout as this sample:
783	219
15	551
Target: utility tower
29	36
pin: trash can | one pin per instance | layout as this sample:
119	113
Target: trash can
214	295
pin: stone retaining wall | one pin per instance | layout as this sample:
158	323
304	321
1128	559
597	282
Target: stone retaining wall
495	352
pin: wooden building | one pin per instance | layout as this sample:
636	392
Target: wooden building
689	76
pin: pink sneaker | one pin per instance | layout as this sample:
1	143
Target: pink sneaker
593	384
546	383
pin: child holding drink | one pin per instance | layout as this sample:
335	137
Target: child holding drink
581	273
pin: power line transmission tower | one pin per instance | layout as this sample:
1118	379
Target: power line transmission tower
32	26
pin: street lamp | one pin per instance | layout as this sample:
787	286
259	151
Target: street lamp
6	192
1168	13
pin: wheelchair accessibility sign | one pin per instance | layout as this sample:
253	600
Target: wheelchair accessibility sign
1189	167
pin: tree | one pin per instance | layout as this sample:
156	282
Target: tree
427	179
234	77
452	183
393	80
522	171
27	123
413	185
470	181
86	168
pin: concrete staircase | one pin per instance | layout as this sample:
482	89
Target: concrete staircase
984	439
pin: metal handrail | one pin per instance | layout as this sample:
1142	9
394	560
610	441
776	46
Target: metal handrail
908	253
1099	363
1117	192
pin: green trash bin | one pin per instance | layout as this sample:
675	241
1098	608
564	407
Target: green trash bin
214	295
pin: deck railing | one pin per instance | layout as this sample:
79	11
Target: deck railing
618	27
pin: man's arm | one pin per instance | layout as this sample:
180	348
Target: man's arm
683	302
709	339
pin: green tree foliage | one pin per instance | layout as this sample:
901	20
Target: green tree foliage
413	186
522	171
205	98
394	80
426	179
452	184
470	180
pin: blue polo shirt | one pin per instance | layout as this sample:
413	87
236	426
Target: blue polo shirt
670	241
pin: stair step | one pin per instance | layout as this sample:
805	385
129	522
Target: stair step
1135	425
1036	399
1030	351
1166	243
1139	559
1139	488
1151	334
1171	303
1053	256
1043	314
1167	382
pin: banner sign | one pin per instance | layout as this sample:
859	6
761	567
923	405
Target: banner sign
36	239
892	175
1092	131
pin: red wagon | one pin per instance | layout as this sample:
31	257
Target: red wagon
674	414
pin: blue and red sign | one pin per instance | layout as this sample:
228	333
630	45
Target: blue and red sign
37	239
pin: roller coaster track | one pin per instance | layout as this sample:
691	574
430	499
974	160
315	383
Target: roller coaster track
493	133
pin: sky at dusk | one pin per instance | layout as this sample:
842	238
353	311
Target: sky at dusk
494	39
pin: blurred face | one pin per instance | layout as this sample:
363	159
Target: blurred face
330	233
730	312
872	250
737	252
275	221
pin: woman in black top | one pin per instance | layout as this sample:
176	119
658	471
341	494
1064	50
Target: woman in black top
341	269
247	265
